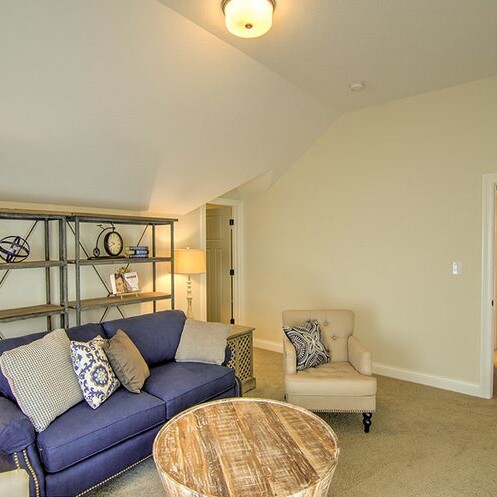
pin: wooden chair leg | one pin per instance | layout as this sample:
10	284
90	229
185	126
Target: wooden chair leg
366	421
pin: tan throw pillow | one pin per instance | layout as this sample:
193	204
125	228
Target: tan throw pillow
126	361
202	342
42	379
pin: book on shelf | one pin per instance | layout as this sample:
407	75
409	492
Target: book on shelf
136	251
137	256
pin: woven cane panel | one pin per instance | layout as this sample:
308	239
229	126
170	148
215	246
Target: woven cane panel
232	361
241	358
244	357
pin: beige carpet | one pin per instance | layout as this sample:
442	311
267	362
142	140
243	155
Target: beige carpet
424	442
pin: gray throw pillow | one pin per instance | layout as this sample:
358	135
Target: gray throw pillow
126	361
202	342
308	342
42	378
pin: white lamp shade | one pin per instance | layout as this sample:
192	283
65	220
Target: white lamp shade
189	261
248	18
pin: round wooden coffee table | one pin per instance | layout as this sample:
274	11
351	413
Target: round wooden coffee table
246	448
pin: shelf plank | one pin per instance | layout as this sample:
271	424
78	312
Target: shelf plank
113	300
86	217
5	266
29	312
119	260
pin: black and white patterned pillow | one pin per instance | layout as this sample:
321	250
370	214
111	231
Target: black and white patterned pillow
42	379
93	370
308	343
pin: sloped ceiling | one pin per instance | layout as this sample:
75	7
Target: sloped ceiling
127	104
152	106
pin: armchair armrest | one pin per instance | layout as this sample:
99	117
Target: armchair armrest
360	356
16	431
289	357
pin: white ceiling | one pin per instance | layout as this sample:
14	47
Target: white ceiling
152	105
399	47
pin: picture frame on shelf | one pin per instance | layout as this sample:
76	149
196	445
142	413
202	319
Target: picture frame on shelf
122	283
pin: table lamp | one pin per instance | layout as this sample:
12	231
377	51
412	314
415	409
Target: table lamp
189	261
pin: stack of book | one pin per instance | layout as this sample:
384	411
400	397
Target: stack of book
136	251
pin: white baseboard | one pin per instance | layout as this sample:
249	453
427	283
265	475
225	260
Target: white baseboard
429	380
268	345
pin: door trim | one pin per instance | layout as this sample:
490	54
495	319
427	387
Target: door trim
489	183
237	212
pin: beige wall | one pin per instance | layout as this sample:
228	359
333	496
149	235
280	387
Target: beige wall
371	218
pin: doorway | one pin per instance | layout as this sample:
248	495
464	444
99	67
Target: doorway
488	279
220	263
494	300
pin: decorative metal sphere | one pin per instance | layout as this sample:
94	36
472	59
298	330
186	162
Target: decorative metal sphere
14	248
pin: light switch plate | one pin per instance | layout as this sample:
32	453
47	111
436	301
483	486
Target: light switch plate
457	267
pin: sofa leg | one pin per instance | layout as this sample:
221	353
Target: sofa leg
366	421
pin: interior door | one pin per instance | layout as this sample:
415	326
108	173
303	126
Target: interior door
219	259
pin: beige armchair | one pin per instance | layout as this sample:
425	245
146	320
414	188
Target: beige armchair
346	383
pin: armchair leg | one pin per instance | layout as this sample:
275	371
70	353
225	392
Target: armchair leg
366	421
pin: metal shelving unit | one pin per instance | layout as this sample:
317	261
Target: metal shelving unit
48	309
73	221
82	259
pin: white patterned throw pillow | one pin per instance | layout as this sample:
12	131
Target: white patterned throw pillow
42	379
308	343
95	375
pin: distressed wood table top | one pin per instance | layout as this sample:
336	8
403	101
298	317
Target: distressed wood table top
246	448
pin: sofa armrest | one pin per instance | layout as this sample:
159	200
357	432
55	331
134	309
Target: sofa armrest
360	356
289	357
16	431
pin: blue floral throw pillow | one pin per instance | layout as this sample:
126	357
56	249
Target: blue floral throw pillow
308	343
95	375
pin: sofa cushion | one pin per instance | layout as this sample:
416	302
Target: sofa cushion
126	361
93	370
41	377
202	342
85	332
155	335
81	333
184	384
9	344
82	432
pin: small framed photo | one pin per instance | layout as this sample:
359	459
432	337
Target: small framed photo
124	283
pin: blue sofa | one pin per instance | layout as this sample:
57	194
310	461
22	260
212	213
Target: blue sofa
84	448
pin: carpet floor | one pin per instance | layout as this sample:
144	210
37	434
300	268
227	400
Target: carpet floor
424	442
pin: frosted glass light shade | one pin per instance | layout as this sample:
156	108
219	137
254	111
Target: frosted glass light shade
189	261
248	18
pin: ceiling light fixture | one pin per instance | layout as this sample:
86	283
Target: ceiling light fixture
248	18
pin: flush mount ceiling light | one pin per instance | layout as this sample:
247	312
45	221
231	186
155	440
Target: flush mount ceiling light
248	18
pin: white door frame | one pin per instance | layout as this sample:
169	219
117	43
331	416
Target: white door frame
237	213
487	286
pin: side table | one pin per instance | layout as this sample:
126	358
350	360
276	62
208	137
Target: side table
240	341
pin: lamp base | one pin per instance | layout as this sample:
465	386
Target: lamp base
189	298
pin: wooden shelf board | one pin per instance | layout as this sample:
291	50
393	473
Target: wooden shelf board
30	312
119	260
29	264
86	217
113	300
